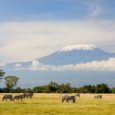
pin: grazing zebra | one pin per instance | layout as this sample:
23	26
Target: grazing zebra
26	95
71	98
63	95
98	97
9	97
77	94
18	97
68	98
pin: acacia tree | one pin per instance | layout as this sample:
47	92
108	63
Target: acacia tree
53	86
1	74
10	82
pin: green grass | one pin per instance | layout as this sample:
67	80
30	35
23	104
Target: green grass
50	104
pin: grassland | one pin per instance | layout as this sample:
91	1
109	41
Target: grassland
50	104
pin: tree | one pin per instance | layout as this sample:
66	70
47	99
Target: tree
65	88
1	74
102	88
17	90
113	89
53	86
10	82
38	89
87	89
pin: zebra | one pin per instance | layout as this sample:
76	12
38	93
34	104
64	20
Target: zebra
71	98
18	97
63	95
98	97
68	98
5	97
26	95
77	94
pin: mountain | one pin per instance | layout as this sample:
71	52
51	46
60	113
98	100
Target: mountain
76	54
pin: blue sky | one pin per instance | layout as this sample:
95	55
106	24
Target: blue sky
11	10
37	26
30	29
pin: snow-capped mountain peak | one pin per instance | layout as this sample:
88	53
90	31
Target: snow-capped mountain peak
79	47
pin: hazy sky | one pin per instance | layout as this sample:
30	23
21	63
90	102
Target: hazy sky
30	29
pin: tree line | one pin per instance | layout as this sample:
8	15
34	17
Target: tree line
52	87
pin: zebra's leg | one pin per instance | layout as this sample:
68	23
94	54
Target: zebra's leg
3	99
73	100
62	100
67	100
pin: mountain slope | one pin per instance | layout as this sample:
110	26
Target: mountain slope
76	54
68	55
30	76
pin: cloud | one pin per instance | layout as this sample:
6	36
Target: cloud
95	11
18	65
105	65
94	8
2	64
24	41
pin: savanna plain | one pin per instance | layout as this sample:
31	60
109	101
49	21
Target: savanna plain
50	104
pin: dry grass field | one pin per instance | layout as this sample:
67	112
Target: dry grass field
50	104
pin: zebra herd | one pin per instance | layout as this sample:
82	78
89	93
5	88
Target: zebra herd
17	97
67	98
64	97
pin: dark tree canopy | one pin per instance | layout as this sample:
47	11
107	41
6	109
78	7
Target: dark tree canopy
1	74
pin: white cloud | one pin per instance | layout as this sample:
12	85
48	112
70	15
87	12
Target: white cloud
2	64
18	65
95	10
23	41
105	65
